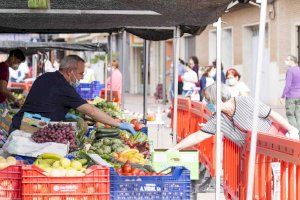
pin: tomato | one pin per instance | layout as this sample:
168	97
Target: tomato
135	172
127	168
138	126
142	173
119	170
134	121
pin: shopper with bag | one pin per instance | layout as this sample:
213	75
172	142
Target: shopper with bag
236	119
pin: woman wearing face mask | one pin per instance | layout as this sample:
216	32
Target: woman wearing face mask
235	85
236	119
291	91
114	80
189	80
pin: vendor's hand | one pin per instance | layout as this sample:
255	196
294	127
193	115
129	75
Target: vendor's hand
127	127
293	134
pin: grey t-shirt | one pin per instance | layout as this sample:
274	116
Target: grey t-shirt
234	128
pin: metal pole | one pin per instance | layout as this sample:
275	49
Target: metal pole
164	71
145	70
175	79
105	74
123	67
219	133
110	63
261	43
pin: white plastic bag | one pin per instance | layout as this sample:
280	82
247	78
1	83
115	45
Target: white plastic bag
20	143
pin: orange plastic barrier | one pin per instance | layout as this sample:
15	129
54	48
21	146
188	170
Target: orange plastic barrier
25	86
183	119
116	97
270	148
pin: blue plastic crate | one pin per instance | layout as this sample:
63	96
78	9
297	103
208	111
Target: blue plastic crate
176	186
90	90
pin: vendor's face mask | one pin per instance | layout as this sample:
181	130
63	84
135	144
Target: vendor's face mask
76	83
232	81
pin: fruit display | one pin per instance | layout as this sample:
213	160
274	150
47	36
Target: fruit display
138	141
128	170
132	156
58	166
60	133
7	162
106	147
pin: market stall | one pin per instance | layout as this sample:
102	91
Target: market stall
129	154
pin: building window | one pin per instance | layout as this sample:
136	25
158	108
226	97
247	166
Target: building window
190	47
227	47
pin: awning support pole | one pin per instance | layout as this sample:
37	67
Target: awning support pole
145	69
175	80
164	71
110	65
105	74
219	133
261	46
123	67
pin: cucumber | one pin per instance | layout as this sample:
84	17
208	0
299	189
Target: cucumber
107	130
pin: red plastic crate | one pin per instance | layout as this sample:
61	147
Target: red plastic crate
11	182
93	186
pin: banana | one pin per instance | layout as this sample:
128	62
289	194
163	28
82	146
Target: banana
52	156
130	151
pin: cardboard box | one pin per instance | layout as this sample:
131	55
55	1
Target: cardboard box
161	160
33	122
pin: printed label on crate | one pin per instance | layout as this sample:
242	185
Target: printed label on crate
150	187
65	188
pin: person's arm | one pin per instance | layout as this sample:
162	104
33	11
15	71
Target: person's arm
97	115
104	118
288	83
6	92
192	140
276	117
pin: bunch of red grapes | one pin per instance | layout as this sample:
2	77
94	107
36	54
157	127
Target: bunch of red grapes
60	133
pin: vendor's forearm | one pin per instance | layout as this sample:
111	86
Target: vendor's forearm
274	116
98	115
192	140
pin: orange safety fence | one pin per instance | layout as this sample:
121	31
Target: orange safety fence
116	97
25	86
200	114
270	148
183	118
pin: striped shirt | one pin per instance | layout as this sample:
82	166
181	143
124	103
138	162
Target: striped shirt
234	128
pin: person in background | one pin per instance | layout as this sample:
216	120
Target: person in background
207	79
291	92
53	94
48	66
236	119
235	85
15	58
223	77
181	71
114	80
194	64
189	79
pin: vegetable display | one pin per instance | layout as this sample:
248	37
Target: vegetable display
57	166
60	133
